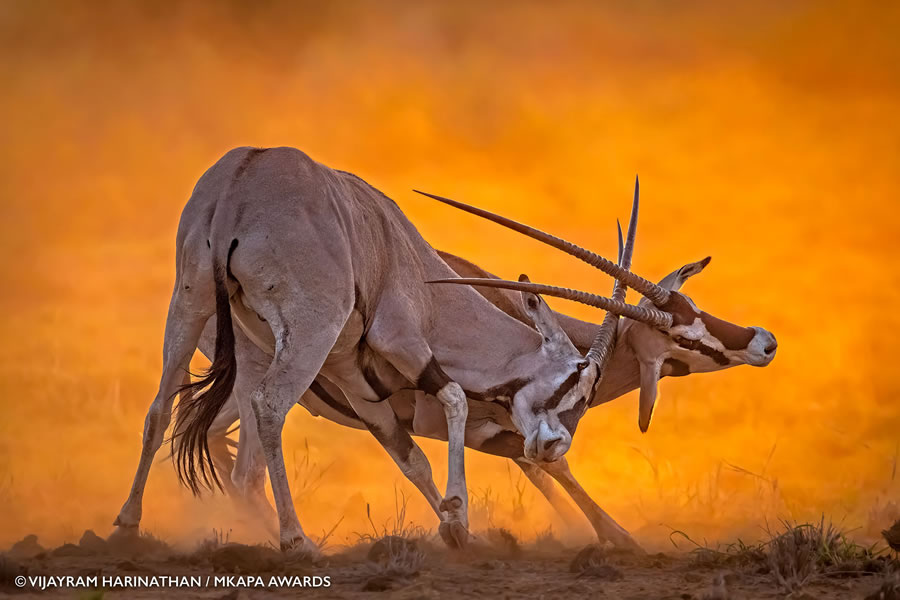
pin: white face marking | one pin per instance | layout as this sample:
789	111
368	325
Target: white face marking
546	419
697	348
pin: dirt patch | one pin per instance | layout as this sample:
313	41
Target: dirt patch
397	567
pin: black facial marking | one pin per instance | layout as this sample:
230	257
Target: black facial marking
569	418
432	378
677	367
594	390
506	443
564	388
698	346
345	410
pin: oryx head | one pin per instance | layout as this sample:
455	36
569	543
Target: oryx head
668	333
548	403
689	340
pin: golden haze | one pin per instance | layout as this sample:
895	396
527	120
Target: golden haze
765	134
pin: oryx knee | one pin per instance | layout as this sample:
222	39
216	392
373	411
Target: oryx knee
453	399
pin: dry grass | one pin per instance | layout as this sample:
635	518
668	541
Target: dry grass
803	552
397	526
795	554
395	551
306	475
218	539
509	507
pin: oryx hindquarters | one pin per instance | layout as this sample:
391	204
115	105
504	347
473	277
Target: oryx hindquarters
285	243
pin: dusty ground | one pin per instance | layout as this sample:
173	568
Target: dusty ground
494	568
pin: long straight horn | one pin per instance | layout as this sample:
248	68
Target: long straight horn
658	295
602	346
651	316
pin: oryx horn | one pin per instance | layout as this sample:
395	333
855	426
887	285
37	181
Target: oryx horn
651	316
658	295
602	346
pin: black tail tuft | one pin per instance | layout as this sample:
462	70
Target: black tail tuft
201	401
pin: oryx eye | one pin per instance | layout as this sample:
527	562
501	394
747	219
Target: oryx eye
581	366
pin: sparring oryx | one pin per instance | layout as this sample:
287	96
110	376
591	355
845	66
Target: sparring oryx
489	430
325	273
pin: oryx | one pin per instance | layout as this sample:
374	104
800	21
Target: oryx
327	275
411	412
489	429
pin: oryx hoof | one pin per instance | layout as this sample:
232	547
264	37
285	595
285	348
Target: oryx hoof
624	541
126	523
124	531
454	534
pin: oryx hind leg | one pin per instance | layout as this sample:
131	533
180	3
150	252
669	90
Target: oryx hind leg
244	476
220	445
604	525
545	485
189	310
303	344
382	422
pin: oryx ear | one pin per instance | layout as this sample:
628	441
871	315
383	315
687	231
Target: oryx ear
650	372
543	318
674	280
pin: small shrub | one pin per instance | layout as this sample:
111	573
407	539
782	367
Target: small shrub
395	556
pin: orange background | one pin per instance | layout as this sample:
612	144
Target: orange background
766	134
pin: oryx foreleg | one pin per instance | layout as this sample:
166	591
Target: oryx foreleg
400	343
604	525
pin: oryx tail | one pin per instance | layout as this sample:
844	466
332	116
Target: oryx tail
201	400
